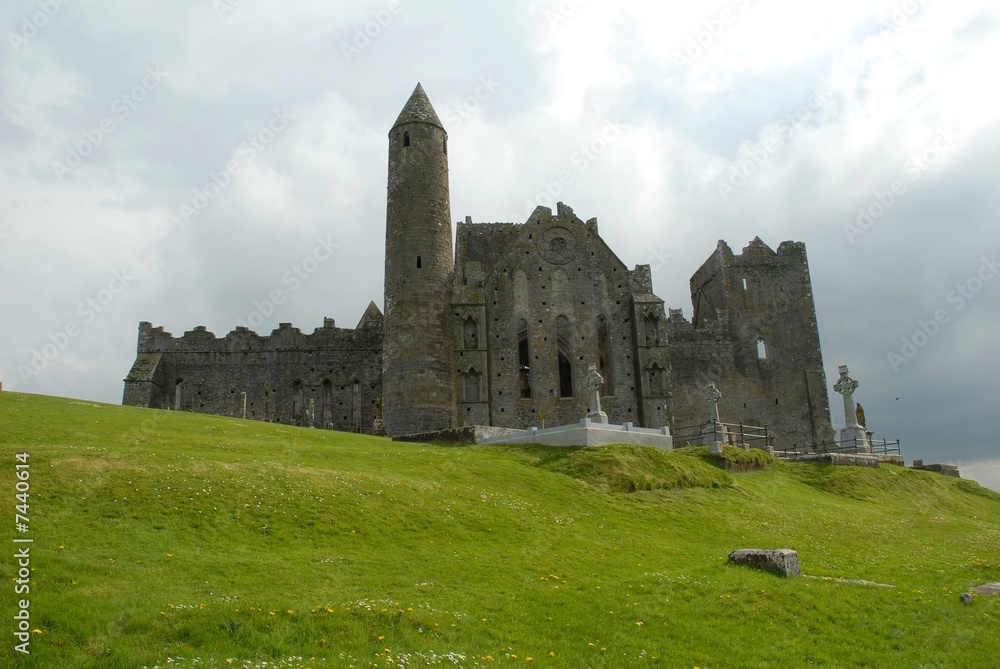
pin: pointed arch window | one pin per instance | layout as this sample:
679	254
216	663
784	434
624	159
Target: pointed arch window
178	394
523	360
406	138
470	334
326	414
652	327
761	349
604	355
564	356
298	401
657	379
473	383
356	406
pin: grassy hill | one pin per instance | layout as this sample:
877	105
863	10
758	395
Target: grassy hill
166	539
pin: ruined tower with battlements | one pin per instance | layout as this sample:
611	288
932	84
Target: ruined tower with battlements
499	330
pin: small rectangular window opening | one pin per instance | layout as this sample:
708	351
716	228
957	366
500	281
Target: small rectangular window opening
418	262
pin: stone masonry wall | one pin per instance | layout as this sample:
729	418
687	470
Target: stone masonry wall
338	369
558	280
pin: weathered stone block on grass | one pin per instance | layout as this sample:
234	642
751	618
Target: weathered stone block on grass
780	561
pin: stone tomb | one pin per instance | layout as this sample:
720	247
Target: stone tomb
592	430
589	433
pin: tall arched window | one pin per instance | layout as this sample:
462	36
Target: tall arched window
761	349
604	355
523	360
565	357
406	138
356	406
326	414
178	394
298	402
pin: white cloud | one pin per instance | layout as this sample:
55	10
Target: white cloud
984	472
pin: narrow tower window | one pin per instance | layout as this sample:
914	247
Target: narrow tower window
406	139
564	355
761	350
744	283
418	262
604	355
523	360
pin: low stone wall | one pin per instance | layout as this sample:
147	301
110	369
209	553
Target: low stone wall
467	435
842	459
944	470
739	467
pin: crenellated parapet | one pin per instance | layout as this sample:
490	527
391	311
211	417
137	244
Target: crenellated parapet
285	337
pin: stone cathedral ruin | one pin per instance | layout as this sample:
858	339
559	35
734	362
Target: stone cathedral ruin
500	330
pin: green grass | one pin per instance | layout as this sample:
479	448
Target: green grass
179	540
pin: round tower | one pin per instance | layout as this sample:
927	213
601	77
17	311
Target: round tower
417	365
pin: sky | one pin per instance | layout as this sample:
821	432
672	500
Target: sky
223	163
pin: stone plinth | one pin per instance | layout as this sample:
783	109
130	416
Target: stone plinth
857	435
715	435
588	433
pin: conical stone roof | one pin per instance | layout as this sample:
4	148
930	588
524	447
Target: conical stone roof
418	109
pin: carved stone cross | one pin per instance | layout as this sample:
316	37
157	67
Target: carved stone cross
594	383
846	387
712	396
